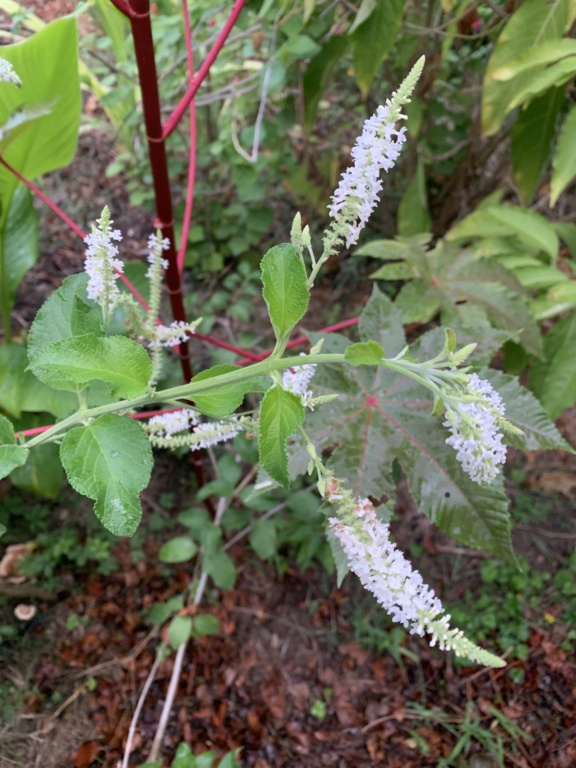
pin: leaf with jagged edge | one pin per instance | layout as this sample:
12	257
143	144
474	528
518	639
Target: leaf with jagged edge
11	455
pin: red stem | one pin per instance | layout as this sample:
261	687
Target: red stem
238	350
68	221
148	78
192	152
181	107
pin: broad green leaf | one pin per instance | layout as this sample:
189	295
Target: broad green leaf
263	538
391	250
373	40
413	214
50	141
508	221
65	313
229	760
19	244
366	9
317	76
364	353
532	136
285	288
553	379
553	77
222	401
535	22
564	160
109	461
177	550
21	391
526	413
42	473
179	633
220	567
74	363
381	417
416	303
281	413
535	57
11	455
205	624
401	271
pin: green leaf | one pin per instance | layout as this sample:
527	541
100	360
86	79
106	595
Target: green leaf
11	455
534	22
179	633
508	221
381	418
535	57
364	12
416	303
553	77
526	413
373	40
42	473
317	76
109	461
553	379
229	760
222	401
205	624
19	244
532	136
64	314
413	214
221	568
567	231
390	250
364	353
177	550
564	160
263	538
74	363
285	288
50	141
381	321
281	413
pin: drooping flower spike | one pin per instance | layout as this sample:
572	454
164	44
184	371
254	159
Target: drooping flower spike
7	73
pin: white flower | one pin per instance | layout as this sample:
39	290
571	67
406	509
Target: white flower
7	73
476	435
297	378
155	247
168	424
383	569
173	334
213	432
101	262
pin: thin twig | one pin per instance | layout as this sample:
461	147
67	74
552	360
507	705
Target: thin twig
139	705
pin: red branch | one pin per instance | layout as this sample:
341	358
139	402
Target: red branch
181	107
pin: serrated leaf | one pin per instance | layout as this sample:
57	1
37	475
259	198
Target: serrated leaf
508	221
364	353
264	539
177	550
74	363
285	288
553	378
416	303
281	413
64	314
11	455
222	401
526	413
564	160
380	321
381	417
109	461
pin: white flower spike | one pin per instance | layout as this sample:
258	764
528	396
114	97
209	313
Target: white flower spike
7	73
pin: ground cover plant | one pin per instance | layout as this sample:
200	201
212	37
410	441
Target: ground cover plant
357	415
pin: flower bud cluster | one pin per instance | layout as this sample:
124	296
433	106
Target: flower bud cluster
384	571
297	378
475	424
171	430
101	262
7	73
